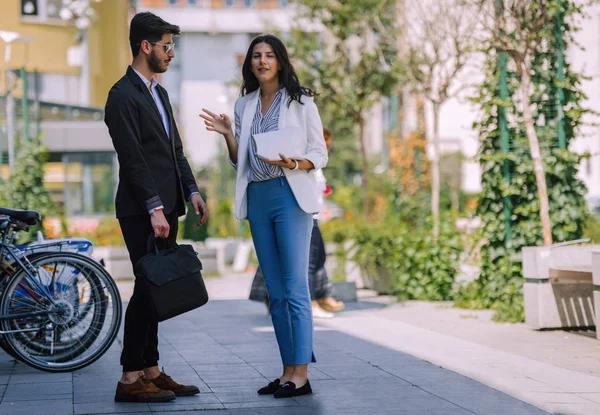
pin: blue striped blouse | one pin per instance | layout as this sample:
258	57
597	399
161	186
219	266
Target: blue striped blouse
259	170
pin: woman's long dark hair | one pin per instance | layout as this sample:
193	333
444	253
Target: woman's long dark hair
287	76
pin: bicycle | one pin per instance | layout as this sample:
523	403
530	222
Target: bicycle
41	246
59	311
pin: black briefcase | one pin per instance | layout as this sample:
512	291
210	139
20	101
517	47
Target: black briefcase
173	278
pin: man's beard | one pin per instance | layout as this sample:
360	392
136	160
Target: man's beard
154	64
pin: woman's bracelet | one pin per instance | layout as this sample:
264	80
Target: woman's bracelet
296	166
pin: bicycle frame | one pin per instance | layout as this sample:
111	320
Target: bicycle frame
7	250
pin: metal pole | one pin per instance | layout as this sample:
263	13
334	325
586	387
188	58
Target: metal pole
25	105
10	109
418	167
560	125
36	103
504	137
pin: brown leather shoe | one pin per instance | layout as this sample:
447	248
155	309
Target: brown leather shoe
142	390
163	381
331	305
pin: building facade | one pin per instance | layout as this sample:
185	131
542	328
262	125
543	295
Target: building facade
206	70
69	72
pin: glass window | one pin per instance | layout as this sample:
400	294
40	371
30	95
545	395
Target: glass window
172	2
29	8
81	183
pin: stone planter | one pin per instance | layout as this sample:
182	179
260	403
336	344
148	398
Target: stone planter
344	291
350	271
117	262
379	280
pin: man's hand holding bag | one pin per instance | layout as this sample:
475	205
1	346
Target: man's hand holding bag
173	278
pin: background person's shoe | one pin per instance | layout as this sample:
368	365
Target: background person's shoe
142	390
165	382
330	304
318	312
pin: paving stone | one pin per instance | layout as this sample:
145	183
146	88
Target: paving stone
38	391
184	408
110	408
228	349
37	407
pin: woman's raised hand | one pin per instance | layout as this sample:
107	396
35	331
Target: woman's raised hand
216	122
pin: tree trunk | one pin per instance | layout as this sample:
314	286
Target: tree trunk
363	150
455	197
538	166
435	172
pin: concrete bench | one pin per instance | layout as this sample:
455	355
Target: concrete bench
596	285
583	274
558	289
117	262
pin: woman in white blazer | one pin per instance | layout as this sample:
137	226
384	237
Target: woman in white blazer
278	197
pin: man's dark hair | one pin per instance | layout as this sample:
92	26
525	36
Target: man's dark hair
150	27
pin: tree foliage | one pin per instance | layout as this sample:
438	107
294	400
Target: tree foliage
25	187
351	62
500	284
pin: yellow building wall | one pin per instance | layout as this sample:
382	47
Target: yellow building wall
47	52
109	48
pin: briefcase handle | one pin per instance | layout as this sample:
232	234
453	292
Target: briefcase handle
152	246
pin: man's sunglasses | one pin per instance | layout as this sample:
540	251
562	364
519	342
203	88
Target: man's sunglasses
167	47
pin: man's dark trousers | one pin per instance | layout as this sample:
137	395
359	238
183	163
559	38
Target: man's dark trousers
140	342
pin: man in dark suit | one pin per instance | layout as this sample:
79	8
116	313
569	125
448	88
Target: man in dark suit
155	180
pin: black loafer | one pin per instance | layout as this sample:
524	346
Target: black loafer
270	389
289	390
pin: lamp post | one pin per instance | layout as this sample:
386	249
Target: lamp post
9	38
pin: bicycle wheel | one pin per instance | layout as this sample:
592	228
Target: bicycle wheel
35	340
7	270
78	310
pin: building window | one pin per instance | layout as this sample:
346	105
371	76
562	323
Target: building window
172	2
42	11
283	3
229	3
192	2
248	3
81	183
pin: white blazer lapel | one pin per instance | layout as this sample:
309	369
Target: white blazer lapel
283	107
247	117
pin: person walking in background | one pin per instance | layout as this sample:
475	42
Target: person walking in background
155	179
323	303
277	197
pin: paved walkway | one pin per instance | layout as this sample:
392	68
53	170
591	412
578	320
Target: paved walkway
553	370
228	349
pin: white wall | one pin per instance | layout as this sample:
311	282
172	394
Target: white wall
456	120
196	19
201	146
60	88
374	135
587	61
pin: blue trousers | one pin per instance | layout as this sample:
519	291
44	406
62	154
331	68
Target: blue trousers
281	233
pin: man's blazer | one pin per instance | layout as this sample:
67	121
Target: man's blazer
303	183
153	170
